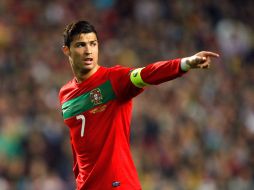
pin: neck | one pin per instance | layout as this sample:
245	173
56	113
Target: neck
80	77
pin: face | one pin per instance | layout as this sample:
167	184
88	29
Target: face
83	55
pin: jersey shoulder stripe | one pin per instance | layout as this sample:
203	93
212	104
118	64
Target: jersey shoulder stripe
97	96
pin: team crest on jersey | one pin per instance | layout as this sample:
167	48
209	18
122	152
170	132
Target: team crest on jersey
96	96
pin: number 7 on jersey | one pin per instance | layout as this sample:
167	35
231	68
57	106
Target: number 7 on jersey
83	119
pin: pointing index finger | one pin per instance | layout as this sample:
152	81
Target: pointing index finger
212	54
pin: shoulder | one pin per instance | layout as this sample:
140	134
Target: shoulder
118	67
119	70
65	89
67	85
119	73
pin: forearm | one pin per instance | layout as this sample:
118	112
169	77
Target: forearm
163	71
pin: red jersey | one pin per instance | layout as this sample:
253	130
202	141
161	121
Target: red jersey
98	114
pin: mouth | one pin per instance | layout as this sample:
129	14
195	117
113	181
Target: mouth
88	61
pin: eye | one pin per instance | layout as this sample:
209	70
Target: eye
79	45
94	43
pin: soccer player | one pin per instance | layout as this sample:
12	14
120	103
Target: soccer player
97	106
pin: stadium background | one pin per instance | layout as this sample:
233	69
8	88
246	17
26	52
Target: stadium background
194	133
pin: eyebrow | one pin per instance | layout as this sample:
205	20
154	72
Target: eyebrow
86	42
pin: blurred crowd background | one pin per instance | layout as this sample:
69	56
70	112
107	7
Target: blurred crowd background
193	133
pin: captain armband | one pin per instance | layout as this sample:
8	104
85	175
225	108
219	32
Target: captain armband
136	78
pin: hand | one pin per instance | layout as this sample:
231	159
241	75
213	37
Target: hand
199	60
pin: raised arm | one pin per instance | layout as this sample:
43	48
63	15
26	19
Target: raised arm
163	71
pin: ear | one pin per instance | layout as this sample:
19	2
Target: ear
66	50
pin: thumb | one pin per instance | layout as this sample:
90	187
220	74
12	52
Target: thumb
203	59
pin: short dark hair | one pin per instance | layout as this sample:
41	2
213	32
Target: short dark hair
75	28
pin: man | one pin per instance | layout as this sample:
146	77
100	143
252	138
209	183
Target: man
97	104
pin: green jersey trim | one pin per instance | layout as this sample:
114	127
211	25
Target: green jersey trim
99	95
136	78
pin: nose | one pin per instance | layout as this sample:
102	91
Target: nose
88	50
